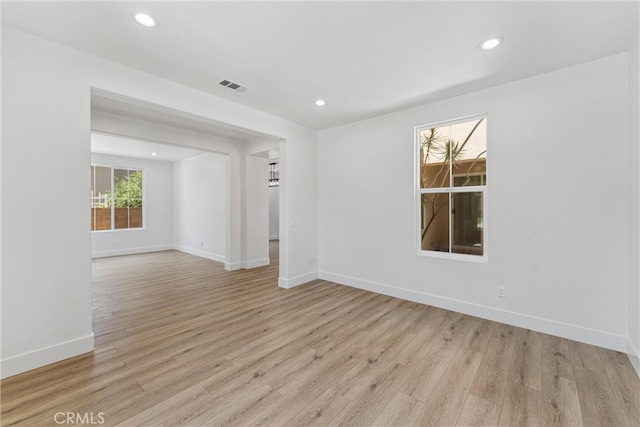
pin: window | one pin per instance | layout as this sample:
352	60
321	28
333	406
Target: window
451	200
116	198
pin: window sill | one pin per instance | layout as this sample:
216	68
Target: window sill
482	259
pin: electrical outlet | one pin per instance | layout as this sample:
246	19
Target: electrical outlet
343	265
502	292
113	243
202	244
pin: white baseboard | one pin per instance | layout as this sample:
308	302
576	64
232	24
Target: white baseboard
274	237
131	251
256	263
201	254
231	266
560	329
45	356
297	281
634	356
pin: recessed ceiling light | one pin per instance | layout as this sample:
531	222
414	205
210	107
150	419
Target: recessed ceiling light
491	43
320	102
145	20
154	154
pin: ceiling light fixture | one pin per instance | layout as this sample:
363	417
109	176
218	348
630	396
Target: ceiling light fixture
154	154
145	20
491	43
320	102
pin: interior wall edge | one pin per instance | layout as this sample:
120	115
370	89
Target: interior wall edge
201	254
634	356
45	356
131	251
297	281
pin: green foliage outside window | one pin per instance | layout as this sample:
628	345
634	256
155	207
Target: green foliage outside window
128	190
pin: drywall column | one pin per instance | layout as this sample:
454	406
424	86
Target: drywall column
274	213
299	220
633	345
235	202
200	206
257	213
46	265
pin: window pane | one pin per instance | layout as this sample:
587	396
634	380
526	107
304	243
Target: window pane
100	186
135	214
101	219
122	217
435	157
121	188
469	145
468	223
135	187
128	198
435	222
100	198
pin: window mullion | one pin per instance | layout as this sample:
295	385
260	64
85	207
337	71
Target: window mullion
113	201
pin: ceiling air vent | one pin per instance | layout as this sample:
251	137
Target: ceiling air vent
233	85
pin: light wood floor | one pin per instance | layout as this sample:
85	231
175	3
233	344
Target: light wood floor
180	341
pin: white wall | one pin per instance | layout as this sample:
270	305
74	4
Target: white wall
633	348
257	213
157	231
557	205
274	213
46	262
46	287
200	205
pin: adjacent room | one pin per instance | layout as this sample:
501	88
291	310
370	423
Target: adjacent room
320	213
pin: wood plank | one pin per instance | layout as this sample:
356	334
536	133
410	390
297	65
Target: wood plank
626	389
585	356
526	366
479	412
491	381
445	403
556	357
401	410
561	406
598	403
522	406
179	340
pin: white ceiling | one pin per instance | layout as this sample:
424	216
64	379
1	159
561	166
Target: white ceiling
129	147
124	106
363	58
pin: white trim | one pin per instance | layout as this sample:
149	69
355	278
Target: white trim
459	120
418	191
201	254
456	256
634	356
131	251
297	281
246	265
256	263
232	266
547	326
469	189
44	356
